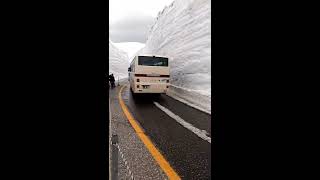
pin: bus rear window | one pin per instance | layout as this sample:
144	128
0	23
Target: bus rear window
152	61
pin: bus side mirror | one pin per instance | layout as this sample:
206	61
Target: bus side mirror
129	69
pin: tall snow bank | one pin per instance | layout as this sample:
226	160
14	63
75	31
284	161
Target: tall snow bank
131	48
182	32
118	62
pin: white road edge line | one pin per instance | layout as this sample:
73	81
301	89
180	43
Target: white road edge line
201	133
189	104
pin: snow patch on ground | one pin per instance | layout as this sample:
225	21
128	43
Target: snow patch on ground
190	98
182	32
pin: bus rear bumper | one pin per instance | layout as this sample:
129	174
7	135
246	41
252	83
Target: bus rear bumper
151	90
142	91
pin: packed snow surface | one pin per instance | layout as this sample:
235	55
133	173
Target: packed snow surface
118	62
182	32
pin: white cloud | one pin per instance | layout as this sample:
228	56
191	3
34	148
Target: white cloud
129	20
121	8
131	29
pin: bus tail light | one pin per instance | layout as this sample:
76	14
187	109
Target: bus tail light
138	86
167	80
138	80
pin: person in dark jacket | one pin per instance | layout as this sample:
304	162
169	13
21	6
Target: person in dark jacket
112	80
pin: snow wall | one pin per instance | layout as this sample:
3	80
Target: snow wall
182	32
118	62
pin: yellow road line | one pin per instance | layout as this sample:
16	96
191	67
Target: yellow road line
165	166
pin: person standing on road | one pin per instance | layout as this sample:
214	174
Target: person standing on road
112	80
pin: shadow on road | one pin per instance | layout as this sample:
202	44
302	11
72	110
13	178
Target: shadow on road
143	98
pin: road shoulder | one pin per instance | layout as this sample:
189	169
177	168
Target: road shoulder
134	158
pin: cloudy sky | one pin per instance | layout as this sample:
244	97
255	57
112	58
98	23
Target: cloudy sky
129	20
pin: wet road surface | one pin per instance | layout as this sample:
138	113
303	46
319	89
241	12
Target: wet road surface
187	153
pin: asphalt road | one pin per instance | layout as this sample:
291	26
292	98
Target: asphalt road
134	158
187	153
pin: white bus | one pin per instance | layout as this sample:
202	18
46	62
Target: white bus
149	74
